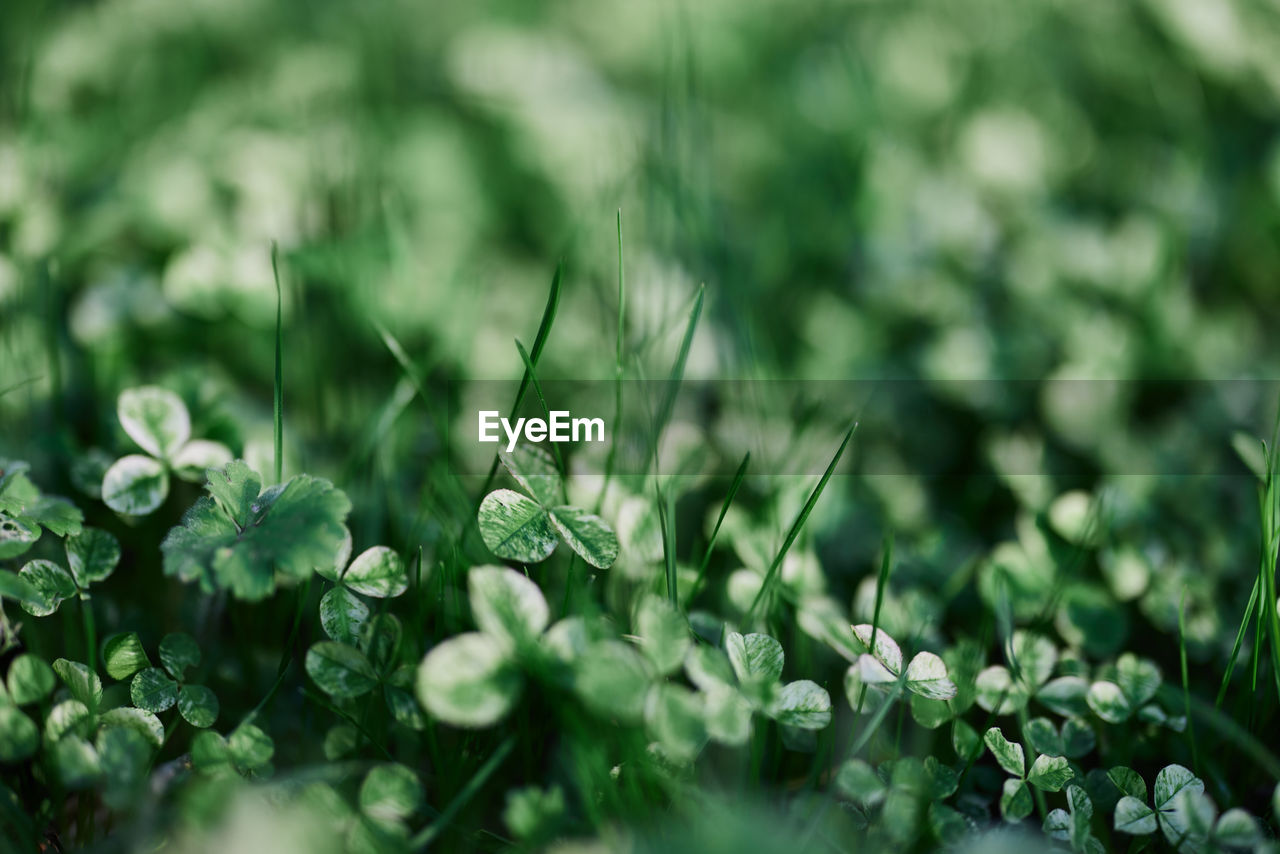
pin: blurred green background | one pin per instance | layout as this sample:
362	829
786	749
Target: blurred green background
929	191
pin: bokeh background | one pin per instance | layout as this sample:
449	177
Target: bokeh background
925	191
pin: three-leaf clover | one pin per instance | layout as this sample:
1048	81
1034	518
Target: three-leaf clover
247	752
247	540
378	572
92	555
1182	811
517	527
880	666
157	689
1073	825
1047	773
157	420
25	512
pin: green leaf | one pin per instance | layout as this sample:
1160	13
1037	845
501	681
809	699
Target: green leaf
885	651
92	556
1129	782
289	530
17	588
1237	829
469	681
340	670
708	668
1065	695
965	741
663	633
532	812
943	780
1138	678
1108	702
802	704
728	716
756	658
674	718
250	747
16	536
135	485
198	456
123	757
1008	754
1050	773
197	705
1042	737
75	763
515	527
19	736
507	605
140	720
153	690
391	792
823	619
859	781
398	692
124	656
30	679
930	714
927	676
1252	452
1134	817
70	717
1081	809
1078	738
587	534
178	651
377	572
1034	656
997	692
83	684
1057	825
1015	800
380	640
1172	781
155	418
613	680
535	470
343	615
52	584
210	752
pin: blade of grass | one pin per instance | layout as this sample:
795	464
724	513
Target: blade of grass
617	373
1186	682
278	397
546	410
665	511
677	375
19	384
715	532
431	831
1235	647
539	341
771	576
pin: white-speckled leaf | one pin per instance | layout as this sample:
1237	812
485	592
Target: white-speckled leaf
343	615
755	657
340	670
927	676
515	527
468	681
377	572
803	704
92	556
535	470
135	485
155	418
507	605
587	534
886	649
153	690
51	583
198	705
198	456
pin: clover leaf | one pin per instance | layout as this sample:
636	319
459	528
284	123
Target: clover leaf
1047	773
247	540
25	513
92	556
157	689
517	527
158	421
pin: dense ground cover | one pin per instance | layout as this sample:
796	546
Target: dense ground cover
260	260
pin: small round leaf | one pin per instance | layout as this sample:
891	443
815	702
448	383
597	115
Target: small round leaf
153	690
377	572
19	736
30	679
197	705
124	656
155	418
340	670
178	651
507	605
135	485
515	527
92	556
343	615
587	534
390	793
468	681
52	584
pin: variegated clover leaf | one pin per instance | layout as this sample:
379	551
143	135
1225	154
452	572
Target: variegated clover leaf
517	527
158	689
92	555
1182	811
25	513
1047	773
157	420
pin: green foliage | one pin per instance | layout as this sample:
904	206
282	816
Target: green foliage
247	540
